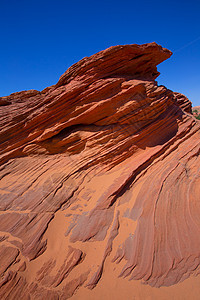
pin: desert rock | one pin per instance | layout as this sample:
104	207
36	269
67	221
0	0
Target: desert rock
100	184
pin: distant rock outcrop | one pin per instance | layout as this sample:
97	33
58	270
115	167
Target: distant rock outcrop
100	183
196	112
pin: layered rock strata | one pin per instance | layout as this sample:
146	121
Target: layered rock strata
99	179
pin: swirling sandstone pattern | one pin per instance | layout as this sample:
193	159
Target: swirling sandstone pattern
99	175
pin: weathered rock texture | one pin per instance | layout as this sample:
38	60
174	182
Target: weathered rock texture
100	183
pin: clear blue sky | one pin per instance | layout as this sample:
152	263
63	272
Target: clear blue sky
41	39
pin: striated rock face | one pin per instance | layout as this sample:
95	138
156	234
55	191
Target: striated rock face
100	183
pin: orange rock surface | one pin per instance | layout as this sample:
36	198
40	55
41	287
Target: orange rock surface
100	184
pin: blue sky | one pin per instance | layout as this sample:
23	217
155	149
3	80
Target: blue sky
41	39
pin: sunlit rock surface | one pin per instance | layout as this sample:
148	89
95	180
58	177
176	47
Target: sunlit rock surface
100	185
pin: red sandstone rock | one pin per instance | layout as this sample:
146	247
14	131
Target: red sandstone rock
99	182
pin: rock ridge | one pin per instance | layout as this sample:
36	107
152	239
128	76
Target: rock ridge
99	181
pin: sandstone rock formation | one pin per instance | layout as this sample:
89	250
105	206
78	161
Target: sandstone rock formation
100	184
